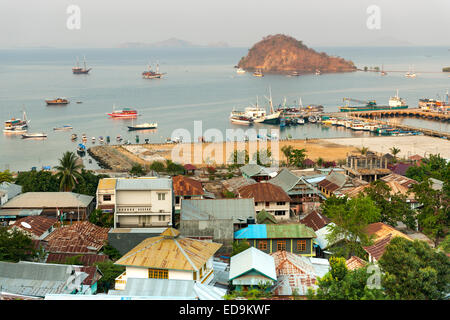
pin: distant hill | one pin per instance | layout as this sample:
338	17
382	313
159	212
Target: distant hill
283	54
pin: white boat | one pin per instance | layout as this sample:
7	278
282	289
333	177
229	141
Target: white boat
66	127
93	139
34	135
300	121
312	119
143	126
240	70
397	101
367	127
15	130
357	126
410	74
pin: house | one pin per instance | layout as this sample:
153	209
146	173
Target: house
265	217
37	227
416	159
89	285
257	172
9	216
106	195
167	289
169	256
189	168
8	191
234	184
295	274
269	197
33	279
355	262
402	180
382	235
400	168
308	163
315	220
322	243
186	188
297	188
296	238
79	238
337	183
216	219
61	205
369	167
251	268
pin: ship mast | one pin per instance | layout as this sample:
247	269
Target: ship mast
84	58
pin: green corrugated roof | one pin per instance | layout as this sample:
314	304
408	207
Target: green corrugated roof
289	231
251	169
263	215
285	179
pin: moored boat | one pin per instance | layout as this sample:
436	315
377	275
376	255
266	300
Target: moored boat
63	128
80	70
34	135
150	74
57	101
143	126
240	70
124	113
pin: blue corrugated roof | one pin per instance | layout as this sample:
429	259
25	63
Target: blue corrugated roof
253	231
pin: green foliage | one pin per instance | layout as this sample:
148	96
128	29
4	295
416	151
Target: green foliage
15	245
295	157
446	69
102	219
37	181
445	244
174	168
157	166
414	271
239	158
343	284
363	150
239	246
6	176
393	208
137	170
432	167
228	194
68	171
111	252
89	182
110	272
263	157
433	215
351	219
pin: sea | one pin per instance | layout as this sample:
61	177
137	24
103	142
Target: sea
200	84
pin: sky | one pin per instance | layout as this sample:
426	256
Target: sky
239	23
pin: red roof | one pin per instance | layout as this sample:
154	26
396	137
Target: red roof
315	220
81	237
308	162
184	186
415	157
85	259
39	224
93	275
264	192
377	250
355	263
190	167
400	168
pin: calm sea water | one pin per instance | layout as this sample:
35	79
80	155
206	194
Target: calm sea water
200	84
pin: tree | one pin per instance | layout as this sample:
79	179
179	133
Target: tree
350	222
102	219
239	246
295	157
110	272
343	284
287	149
15	245
111	252
68	172
434	212
394	152
89	182
363	150
239	158
157	166
6	176
37	181
174	168
137	170
319	162
393	208
414	271
432	167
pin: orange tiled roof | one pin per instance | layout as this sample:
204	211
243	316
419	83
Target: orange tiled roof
377	250
264	192
380	230
355	263
184	186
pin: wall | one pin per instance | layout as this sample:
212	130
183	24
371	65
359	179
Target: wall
272	207
180	275
291	246
126	241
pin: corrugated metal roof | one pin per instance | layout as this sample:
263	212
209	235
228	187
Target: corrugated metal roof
285	179
380	230
49	200
289	231
107	184
252	259
38	224
355	263
209	209
11	189
184	186
251	169
263	191
235	183
253	231
144	184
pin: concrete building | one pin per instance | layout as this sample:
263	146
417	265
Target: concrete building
368	167
169	256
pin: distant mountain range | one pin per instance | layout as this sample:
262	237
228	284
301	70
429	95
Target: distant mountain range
171	43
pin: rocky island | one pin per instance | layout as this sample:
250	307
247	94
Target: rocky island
284	54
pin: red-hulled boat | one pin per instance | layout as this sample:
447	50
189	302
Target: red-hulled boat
124	113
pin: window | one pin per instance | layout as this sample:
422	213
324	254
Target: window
106	197
161	196
158	274
161	218
281	203
301	245
280	213
267	204
177	199
262	245
281	245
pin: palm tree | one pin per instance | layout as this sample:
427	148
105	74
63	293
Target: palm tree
394	152
68	172
363	150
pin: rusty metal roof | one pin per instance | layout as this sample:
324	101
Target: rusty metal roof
107	184
377	250
39	224
380	230
404	181
175	252
263	191
184	186
85	259
315	220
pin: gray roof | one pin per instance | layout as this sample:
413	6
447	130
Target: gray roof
36	279
251	169
169	289
20	212
49	200
206	209
235	183
11	189
144	184
436	184
285	179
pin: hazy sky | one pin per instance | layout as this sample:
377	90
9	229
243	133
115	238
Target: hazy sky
108	23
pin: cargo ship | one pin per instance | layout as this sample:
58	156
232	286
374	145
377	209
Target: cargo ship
394	103
57	101
124	113
150	74
79	70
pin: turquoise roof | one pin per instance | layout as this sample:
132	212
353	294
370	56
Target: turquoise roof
253	231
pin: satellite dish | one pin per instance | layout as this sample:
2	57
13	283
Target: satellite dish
26	225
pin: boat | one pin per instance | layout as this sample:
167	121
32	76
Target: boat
312	119
63	128
258	73
300	121
81	150
294	74
124	113
240	70
93	139
397	102
79	70
143	126
150	74
357	126
78	102
57	101
241	119
118	138
383	73
410	74
317	72
34	135
100	139
16	130
74	137
394	103
14	123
